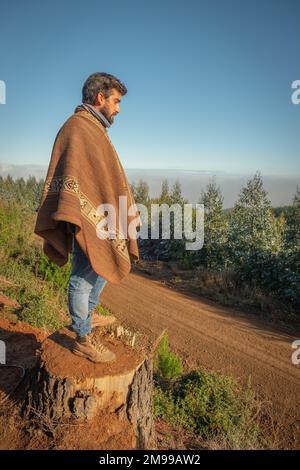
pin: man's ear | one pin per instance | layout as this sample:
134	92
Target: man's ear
100	99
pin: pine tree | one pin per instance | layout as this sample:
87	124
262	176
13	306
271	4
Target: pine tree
292	233
253	226
213	253
141	192
176	194
164	197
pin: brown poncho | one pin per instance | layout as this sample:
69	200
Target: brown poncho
84	172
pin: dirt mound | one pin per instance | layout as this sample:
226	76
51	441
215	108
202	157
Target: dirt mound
93	435
7	302
21	343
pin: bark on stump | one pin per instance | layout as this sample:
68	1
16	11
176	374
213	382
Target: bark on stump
67	386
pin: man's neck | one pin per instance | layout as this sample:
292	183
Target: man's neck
100	116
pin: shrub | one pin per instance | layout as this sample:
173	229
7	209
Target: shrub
211	406
167	364
278	274
49	271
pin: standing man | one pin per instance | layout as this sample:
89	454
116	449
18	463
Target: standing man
84	178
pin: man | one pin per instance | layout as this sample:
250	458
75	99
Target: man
85	175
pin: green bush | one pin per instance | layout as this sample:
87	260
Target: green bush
211	406
277	274
103	310
42	303
49	271
167	364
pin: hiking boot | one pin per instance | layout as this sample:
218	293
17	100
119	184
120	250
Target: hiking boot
102	320
82	347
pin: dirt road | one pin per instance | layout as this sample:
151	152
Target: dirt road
215	338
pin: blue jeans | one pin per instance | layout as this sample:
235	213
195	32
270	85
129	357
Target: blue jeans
85	287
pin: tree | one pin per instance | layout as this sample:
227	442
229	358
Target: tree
253	226
213	253
176	194
164	197
141	192
292	233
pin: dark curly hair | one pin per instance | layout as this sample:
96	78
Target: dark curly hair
101	82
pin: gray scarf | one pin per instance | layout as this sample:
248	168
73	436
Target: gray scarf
97	114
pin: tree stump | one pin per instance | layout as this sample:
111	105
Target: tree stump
65	386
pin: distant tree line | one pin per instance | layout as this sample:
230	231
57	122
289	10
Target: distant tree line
26	192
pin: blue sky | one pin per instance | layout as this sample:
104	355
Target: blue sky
209	82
